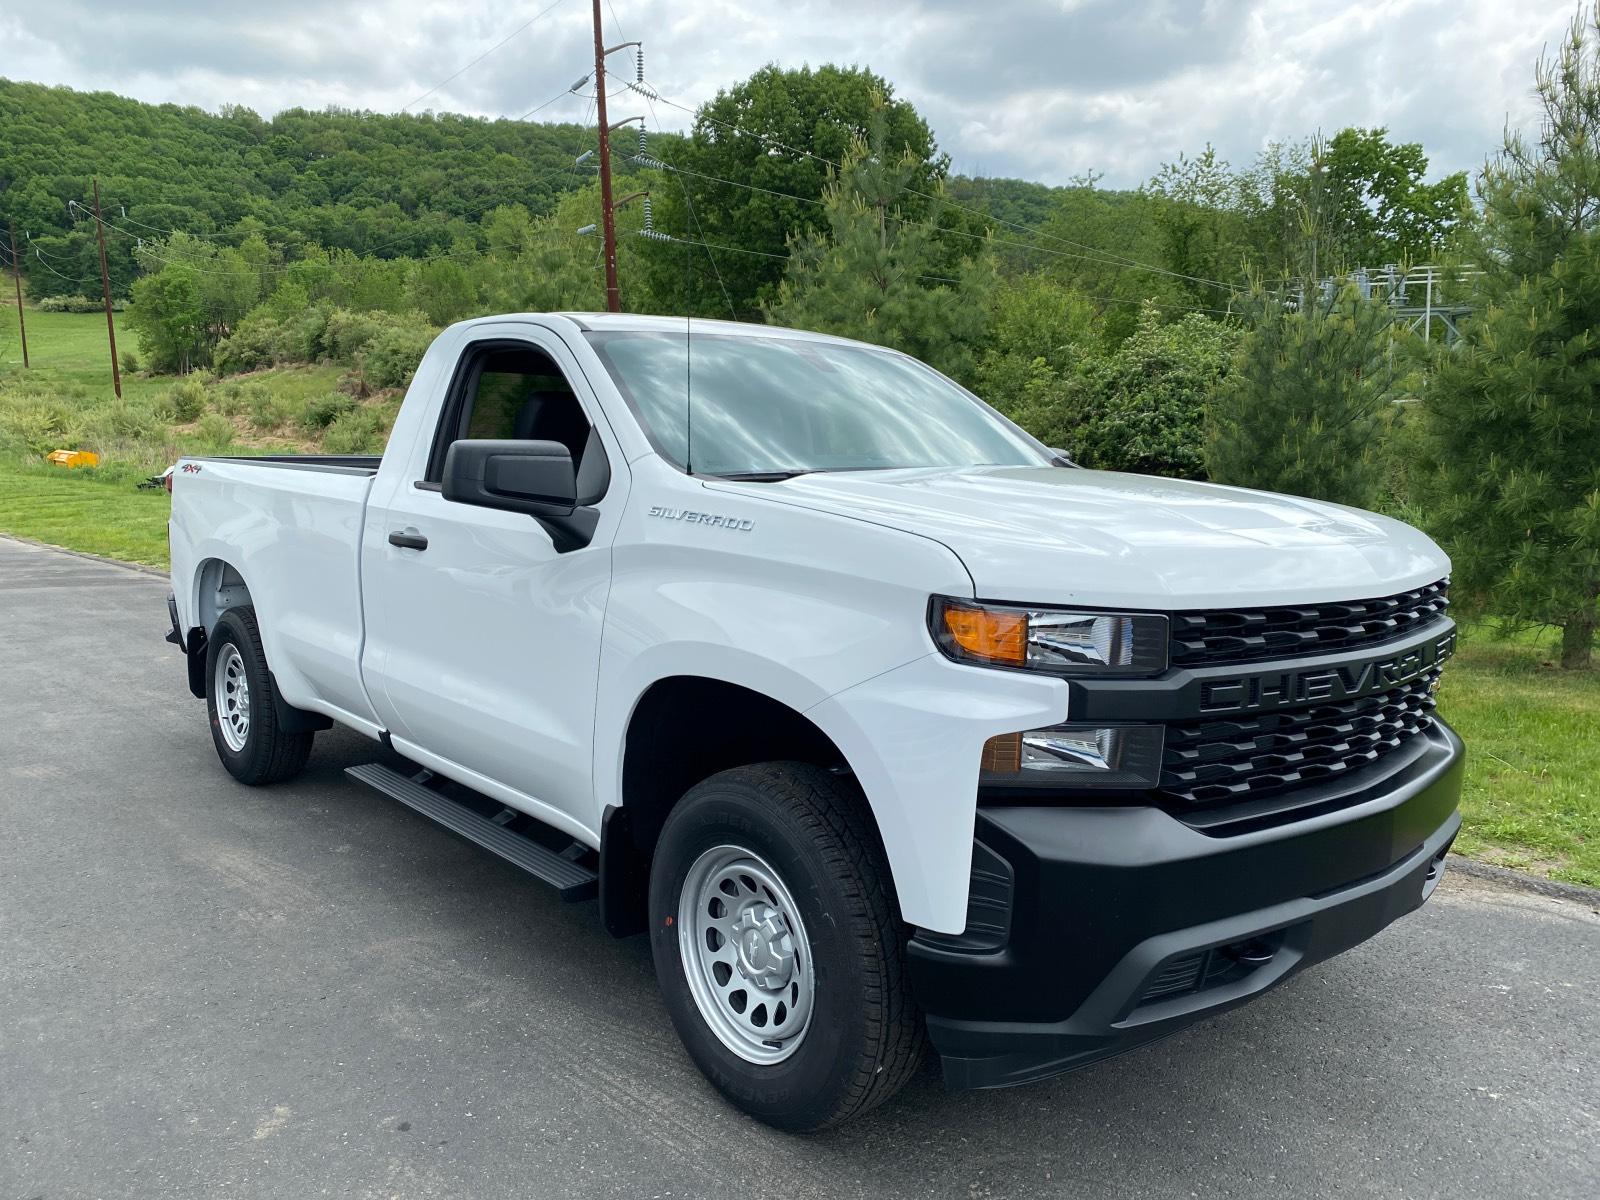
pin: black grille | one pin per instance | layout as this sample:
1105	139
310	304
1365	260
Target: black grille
1239	758
1231	635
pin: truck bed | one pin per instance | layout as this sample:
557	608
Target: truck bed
345	464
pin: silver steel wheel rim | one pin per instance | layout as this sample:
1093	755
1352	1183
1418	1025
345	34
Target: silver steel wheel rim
232	689
746	955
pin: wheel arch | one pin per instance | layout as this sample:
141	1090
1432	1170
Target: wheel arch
683	729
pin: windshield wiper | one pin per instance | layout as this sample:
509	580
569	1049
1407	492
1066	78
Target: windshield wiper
760	476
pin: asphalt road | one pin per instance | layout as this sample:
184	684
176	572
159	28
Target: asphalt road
212	991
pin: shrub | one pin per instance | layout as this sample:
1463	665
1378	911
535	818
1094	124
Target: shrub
267	411
251	346
187	399
78	304
215	431
120	421
322	411
130	361
1142	408
303	337
358	431
32	426
239	397
347	332
391	357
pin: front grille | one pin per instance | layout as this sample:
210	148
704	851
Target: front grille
1240	758
1236	635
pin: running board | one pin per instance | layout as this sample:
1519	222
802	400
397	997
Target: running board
573	880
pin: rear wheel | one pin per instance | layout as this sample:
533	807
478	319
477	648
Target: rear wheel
241	700
778	946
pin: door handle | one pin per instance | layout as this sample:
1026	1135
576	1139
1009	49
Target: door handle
408	540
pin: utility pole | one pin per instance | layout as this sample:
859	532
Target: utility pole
16	277
105	288
608	224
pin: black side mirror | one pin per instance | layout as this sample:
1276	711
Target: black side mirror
536	478
1061	458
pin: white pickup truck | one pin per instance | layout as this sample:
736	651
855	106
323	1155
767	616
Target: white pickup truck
888	723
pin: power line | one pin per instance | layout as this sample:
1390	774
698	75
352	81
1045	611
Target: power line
564	92
463	70
1096	253
58	274
656	161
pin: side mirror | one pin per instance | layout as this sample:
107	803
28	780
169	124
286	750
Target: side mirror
1061	458
536	478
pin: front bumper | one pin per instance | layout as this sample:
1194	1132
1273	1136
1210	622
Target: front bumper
1103	928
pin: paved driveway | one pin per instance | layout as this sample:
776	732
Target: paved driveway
211	991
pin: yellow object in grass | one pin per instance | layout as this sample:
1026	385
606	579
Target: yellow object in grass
73	458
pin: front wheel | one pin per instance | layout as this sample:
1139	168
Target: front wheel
779	948
241	700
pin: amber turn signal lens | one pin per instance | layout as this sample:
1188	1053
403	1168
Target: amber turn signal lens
1002	755
985	633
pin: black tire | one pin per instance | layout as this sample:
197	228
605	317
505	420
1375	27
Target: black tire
865	1039
268	754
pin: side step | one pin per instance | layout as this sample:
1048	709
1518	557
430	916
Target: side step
573	880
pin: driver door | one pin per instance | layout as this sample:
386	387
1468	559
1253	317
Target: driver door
483	641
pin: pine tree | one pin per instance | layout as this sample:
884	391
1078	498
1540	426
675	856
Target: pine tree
1303	409
1513	415
875	275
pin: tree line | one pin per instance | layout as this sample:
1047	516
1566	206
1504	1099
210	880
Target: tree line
1200	326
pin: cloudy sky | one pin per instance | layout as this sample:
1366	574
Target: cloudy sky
1043	89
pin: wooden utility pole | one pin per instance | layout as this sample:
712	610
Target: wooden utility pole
608	224
16	277
105	288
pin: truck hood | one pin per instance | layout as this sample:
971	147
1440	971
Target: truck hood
1057	535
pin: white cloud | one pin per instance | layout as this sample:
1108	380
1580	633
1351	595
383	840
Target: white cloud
1043	89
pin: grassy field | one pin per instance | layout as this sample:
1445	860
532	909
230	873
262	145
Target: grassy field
1533	777
65	400
1533	761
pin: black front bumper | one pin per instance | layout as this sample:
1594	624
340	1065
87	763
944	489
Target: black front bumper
1109	927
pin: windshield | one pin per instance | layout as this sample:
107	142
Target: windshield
779	405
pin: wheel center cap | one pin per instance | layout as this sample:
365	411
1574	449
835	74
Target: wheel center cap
766	951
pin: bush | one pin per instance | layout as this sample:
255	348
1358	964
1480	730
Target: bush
322	411
358	431
238	398
78	304
267	411
346	333
32	426
391	357
252	345
120	421
215	431
130	361
1142	408
187	400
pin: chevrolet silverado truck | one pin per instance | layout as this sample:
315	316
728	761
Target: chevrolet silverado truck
889	724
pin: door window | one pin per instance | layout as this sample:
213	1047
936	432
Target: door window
511	391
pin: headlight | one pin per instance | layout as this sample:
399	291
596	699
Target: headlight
1074	756
1058	641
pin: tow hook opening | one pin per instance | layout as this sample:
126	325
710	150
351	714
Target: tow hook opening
1201	970
1435	870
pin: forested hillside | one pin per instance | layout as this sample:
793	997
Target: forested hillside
365	182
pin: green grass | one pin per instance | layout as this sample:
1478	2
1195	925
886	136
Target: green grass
65	400
1533	761
1532	797
115	520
